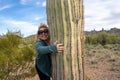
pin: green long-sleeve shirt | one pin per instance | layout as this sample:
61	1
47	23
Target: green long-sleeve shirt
43	59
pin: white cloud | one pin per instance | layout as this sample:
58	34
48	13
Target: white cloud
24	2
34	17
5	7
101	14
38	18
26	28
28	2
38	3
34	2
44	4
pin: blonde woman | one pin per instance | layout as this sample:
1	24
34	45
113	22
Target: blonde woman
44	50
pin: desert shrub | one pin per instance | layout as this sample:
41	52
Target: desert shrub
103	38
14	55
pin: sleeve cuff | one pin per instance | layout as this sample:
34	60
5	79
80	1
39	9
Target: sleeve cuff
53	48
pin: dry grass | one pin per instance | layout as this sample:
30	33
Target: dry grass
102	62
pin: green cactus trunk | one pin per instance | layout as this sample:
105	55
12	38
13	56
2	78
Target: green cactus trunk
65	20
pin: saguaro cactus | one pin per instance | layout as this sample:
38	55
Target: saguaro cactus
65	20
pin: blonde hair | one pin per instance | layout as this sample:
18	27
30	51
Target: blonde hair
42	25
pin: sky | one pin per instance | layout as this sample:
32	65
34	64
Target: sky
26	15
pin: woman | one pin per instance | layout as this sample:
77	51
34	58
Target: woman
44	50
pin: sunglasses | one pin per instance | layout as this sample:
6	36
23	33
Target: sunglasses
43	31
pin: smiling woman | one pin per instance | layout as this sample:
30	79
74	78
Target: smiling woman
44	50
43	33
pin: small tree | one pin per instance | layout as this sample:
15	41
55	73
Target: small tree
102	38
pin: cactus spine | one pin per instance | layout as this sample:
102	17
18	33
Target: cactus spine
65	20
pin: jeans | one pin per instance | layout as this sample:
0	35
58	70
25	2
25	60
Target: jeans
41	75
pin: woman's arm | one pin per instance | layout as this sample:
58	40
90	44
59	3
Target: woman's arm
40	48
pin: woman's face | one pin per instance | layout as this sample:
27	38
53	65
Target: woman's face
43	34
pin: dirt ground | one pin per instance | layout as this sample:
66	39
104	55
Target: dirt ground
101	71
100	64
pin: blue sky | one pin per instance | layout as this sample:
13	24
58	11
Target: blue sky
26	15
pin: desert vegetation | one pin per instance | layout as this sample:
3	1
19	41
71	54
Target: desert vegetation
102	56
16	57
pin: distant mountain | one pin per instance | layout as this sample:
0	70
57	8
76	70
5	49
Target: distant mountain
30	37
0	36
112	30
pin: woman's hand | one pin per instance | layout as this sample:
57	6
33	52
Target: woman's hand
60	46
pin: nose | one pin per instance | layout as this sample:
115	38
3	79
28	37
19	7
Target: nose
43	33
